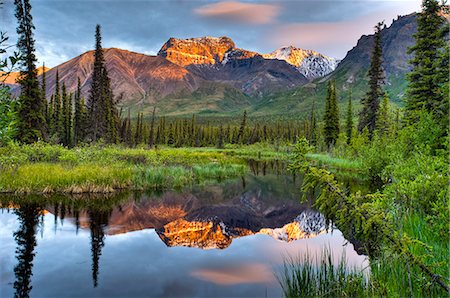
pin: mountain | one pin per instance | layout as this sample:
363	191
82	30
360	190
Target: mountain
133	76
204	50
10	78
310	63
206	75
214	233
211	76
351	74
218	59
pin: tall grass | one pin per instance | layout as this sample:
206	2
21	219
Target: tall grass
45	177
217	172
320	277
335	162
176	177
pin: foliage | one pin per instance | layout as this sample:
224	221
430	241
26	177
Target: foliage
102	112
331	116
349	120
371	102
31	124
320	277
8	116
41	167
413	179
430	64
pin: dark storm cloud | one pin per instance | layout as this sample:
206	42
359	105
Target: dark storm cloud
65	28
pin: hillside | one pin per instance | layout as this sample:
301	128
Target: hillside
351	74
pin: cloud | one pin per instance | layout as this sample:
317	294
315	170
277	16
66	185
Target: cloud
247	13
247	273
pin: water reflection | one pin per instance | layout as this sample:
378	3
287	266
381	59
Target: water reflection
98	221
131	238
25	237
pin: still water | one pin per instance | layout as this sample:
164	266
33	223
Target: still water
228	239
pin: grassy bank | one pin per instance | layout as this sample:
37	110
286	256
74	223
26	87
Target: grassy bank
43	168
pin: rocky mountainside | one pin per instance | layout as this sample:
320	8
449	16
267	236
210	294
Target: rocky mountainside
396	39
10	78
351	73
218	59
310	63
133	75
203	50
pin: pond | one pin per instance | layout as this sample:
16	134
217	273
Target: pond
226	239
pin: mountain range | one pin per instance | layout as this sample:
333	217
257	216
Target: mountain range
212	76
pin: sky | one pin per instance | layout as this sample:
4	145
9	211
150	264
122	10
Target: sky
65	28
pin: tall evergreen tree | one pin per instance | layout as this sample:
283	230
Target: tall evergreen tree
66	133
103	115
78	116
313	126
383	118
349	120
240	134
151	135
371	102
44	98
429	77
57	123
31	124
331	116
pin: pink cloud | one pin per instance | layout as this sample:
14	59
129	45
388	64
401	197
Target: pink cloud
244	273
257	14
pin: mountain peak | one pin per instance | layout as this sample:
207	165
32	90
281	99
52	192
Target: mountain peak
199	50
310	63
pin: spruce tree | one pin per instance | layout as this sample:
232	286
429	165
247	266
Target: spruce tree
129	134
77	119
429	77
383	118
103	115
371	102
331	116
312	126
66	113
57	123
152	129
240	134
349	120
31	125
50	114
44	98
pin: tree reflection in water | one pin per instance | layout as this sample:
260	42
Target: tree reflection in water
98	221
25	236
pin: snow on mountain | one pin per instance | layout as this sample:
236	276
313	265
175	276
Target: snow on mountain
310	63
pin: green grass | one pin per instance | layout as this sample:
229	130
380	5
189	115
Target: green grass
430	247
320	277
325	160
40	167
47	178
44	168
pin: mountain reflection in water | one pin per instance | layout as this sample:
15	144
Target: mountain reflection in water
50	248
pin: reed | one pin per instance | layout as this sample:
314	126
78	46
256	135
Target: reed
319	276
